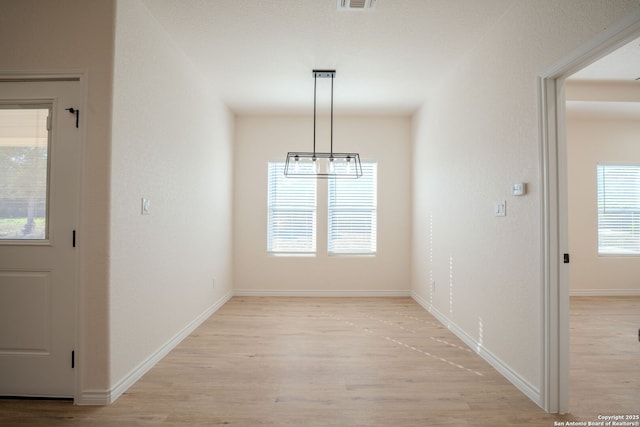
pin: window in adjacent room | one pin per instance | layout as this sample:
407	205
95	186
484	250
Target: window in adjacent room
352	216
618	209
292	213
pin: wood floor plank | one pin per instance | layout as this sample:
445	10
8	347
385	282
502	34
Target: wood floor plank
605	356
319	362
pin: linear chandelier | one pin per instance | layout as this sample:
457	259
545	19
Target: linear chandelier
322	165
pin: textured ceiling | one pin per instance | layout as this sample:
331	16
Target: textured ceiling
259	54
620	67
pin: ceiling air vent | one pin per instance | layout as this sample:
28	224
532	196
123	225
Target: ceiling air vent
356	4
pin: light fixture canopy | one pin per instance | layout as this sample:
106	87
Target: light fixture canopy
322	165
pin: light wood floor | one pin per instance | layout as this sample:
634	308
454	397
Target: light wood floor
313	362
605	356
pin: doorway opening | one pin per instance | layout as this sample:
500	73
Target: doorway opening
555	240
602	105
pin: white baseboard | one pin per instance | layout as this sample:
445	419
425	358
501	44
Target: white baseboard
505	370
106	397
319	293
604	292
93	398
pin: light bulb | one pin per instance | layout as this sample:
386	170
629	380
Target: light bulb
296	168
315	164
332	168
348	164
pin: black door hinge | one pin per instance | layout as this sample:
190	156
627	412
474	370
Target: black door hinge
566	258
74	238
73	359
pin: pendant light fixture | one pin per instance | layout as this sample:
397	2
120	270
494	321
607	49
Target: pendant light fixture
322	165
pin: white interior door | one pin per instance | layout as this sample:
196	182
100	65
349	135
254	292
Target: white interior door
39	164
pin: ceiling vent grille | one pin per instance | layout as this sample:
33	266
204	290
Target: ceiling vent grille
356	4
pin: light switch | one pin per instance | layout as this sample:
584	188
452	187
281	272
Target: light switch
500	208
146	206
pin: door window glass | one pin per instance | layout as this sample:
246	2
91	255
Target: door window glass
24	152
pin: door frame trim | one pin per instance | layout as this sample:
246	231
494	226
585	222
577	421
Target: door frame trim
81	76
554	344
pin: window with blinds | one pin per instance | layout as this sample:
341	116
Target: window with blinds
618	209
353	211
292	212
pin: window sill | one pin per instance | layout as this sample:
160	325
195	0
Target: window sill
338	255
292	254
613	255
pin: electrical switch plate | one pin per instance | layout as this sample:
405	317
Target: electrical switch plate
500	208
519	189
146	206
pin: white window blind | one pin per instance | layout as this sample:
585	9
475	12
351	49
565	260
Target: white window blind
353	206
618	209
292	212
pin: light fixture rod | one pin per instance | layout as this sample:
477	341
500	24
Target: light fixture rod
322	74
322	164
315	84
332	77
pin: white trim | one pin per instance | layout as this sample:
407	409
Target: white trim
18	76
320	293
552	327
93	398
555	281
505	370
105	397
82	360
615	36
604	292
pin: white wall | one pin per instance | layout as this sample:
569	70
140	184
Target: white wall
172	144
592	140
478	135
43	36
260	139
